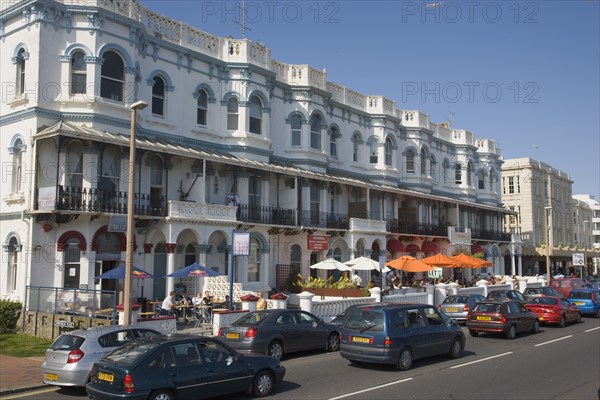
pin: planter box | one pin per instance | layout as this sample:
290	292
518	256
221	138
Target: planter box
336	292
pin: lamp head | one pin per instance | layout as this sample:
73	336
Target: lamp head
139	105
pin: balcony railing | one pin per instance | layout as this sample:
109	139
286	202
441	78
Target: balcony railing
490	235
266	215
97	200
324	220
414	228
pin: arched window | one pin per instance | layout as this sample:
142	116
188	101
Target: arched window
158	96
445	166
374	153
202	113
72	260
458	174
190	254
360	249
315	132
481	180
410	162
21	57
355	143
17	166
78	73
13	249
232	114
74	166
296	126
112	77
423	162
255	115
389	152
254	261
334	133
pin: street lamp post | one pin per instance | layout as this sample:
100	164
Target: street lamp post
547	227
138	105
585	245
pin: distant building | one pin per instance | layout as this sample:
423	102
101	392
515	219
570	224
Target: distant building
549	220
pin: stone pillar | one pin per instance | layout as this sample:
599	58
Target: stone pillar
520	263
306	301
170	266
441	290
522	284
376	293
279	301
249	302
452	288
135	308
510	281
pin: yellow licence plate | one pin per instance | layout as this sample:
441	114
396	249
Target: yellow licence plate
451	309
579	303
361	339
482	318
233	336
103	376
51	377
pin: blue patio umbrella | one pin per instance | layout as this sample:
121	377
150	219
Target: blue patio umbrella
119	273
192	271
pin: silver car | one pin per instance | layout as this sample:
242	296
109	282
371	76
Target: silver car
70	358
458	306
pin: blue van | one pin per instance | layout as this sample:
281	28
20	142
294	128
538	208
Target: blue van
588	300
397	334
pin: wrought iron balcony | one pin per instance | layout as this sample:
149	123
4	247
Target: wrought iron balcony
324	220
483	234
415	228
96	200
266	215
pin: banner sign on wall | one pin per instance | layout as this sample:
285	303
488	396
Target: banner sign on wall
318	242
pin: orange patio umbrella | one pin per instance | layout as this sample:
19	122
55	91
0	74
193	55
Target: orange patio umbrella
399	262
440	260
415	266
466	261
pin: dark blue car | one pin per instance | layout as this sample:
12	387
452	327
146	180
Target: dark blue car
588	300
397	334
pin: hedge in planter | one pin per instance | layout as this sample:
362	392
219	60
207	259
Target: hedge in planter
9	315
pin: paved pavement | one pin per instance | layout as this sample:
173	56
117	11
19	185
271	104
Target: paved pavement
22	374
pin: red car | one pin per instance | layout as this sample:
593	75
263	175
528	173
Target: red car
507	317
554	310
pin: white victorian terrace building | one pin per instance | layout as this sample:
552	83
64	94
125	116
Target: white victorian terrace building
233	140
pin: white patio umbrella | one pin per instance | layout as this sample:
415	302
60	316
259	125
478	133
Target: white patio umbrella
331	264
364	264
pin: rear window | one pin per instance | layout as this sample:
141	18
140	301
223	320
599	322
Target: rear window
130	352
487	307
580	295
544	300
67	342
364	320
534	291
456	300
252	319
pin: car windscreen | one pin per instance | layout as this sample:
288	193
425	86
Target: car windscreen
252	319
67	342
130	352
456	300
544	300
364	319
580	295
487	307
534	291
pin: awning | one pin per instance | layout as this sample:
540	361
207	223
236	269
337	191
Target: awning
395	246
412	248
429	247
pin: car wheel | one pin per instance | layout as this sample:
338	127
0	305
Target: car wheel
562	322
405	360
473	333
161	395
578	318
333	342
275	350
355	362
263	384
536	326
511	333
456	349
598	313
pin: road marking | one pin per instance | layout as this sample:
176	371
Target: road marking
552	341
483	359
26	394
368	390
593	329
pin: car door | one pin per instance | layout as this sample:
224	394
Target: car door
227	373
440	335
314	332
571	310
420	337
525	320
186	371
287	328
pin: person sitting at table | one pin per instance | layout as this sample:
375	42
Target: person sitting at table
167	306
186	301
207	300
197	300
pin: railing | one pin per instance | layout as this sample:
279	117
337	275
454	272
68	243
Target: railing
97	200
330	308
421	298
490	235
201	211
84	302
324	220
395	226
266	215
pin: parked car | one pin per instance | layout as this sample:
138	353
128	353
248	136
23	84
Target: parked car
565	285
588	300
458	306
554	310
508	317
70	358
530	292
281	331
397	334
181	367
502	295
338	319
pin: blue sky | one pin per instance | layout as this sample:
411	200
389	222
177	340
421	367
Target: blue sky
523	73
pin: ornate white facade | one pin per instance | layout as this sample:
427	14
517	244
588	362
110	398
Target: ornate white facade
232	140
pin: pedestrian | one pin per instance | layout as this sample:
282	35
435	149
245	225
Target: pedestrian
261	304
